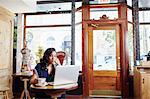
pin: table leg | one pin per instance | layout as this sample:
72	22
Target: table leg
25	91
6	93
57	94
22	94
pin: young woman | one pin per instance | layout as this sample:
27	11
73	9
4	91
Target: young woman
46	67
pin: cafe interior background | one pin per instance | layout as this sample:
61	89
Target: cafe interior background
108	39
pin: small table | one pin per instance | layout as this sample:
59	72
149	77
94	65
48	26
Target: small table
24	76
54	91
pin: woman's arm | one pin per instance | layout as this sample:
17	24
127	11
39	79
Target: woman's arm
34	77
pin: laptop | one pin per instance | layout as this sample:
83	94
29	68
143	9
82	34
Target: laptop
67	74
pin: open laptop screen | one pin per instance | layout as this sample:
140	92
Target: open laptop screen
66	74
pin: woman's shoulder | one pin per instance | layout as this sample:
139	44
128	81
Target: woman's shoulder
38	65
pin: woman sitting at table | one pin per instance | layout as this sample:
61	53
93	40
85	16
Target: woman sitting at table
46	67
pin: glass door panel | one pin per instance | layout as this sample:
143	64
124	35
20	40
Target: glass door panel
104	49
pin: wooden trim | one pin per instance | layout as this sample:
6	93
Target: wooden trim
118	47
24	32
85	15
90	59
105	22
103	5
124	58
105	73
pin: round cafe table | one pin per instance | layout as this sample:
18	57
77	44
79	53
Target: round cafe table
53	91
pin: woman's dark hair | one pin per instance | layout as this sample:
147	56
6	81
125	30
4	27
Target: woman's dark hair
47	53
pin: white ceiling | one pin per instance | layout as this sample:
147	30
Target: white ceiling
19	6
26	6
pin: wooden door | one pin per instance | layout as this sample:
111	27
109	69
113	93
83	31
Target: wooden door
104	57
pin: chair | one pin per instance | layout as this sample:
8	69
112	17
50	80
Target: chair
4	86
61	56
4	92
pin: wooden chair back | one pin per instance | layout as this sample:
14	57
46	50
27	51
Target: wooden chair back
61	56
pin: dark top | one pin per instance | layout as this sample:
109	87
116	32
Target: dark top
43	72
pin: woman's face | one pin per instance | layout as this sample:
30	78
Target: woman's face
52	57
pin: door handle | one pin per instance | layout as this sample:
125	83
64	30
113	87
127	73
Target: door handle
118	58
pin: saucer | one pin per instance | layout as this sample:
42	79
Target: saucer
41	85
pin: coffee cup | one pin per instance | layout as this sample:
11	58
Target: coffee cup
41	81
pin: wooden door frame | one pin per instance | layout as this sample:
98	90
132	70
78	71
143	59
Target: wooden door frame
124	67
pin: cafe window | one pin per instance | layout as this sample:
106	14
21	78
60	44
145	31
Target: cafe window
130	45
48	19
52	30
129	15
144	40
129	3
144	29
96	13
144	16
46	7
78	38
130	37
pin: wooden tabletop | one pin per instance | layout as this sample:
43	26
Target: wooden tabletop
55	87
23	74
53	91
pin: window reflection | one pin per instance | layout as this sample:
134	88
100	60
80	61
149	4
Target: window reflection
104	49
67	48
130	45
50	41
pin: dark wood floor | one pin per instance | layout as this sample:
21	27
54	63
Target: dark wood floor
17	96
